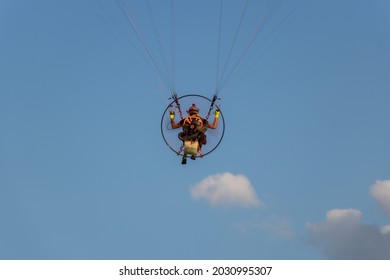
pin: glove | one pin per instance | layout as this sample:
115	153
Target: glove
216	114
172	115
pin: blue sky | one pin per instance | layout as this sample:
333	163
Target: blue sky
303	169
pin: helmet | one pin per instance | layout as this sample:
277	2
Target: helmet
193	109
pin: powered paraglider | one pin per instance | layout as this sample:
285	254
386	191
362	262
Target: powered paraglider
207	107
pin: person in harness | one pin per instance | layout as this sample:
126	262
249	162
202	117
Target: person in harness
193	134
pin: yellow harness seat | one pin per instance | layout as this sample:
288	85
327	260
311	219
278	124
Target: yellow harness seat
191	147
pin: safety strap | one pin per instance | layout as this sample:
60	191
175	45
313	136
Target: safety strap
176	100
215	97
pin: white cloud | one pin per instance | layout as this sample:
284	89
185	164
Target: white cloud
342	236
226	189
351	216
385	229
381	192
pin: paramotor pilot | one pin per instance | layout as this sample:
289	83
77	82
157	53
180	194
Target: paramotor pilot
193	131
